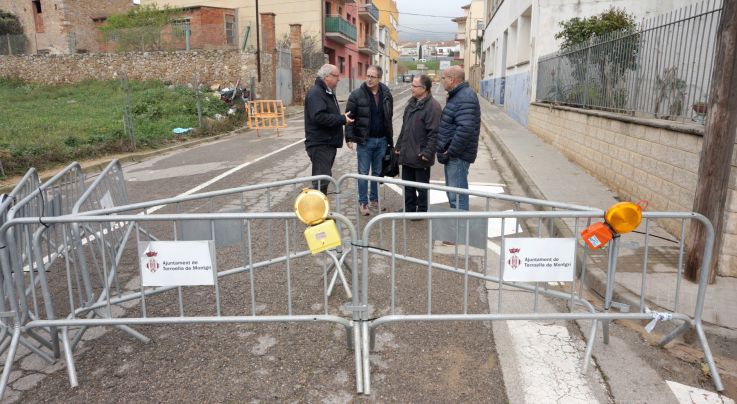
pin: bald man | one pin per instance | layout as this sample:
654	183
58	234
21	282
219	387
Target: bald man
458	134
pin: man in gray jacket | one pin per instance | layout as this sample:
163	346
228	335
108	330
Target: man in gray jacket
416	142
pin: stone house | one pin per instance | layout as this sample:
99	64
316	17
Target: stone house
62	26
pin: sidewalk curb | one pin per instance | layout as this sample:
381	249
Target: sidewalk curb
514	165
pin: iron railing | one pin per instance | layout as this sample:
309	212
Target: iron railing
369	9
371	44
13	44
662	69
340	26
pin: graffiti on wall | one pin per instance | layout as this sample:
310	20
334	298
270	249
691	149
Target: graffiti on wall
512	92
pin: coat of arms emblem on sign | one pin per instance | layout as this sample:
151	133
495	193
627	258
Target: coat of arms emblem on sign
514	261
151	263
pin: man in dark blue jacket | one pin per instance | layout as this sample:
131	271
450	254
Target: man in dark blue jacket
458	135
324	123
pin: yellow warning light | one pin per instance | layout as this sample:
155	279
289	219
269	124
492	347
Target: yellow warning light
311	206
323	236
623	217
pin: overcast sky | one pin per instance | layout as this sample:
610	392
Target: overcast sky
414	27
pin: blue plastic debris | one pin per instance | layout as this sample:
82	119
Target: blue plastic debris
181	131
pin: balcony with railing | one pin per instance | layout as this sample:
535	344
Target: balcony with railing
368	12
339	30
369	46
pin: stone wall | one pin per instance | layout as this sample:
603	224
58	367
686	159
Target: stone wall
212	66
638	159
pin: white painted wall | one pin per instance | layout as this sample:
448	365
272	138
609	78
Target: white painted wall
545	23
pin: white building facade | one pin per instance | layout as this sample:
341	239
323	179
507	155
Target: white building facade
518	32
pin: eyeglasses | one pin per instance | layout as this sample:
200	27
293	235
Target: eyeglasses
371	77
335	75
418	86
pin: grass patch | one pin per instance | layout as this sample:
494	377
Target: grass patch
43	126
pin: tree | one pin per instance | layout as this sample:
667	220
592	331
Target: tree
12	30
580	30
719	139
581	45
139	28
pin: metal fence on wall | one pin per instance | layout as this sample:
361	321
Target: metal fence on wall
13	44
662	69
174	36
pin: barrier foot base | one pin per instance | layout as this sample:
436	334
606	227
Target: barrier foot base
357	356
589	346
708	357
71	370
9	360
365	358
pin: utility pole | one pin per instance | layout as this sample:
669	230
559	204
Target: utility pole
258	46
719	142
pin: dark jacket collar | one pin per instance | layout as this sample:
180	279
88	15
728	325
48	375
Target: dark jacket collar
419	104
457	89
382	91
319	82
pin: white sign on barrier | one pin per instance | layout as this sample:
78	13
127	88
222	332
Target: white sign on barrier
539	259
177	263
106	202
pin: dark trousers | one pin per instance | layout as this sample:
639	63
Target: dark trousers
322	158
415	199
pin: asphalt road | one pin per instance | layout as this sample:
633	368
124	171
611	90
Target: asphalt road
411	362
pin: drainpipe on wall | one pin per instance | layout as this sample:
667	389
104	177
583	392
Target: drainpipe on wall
321	4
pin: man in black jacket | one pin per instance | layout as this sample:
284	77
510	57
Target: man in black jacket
458	135
416	142
372	106
324	123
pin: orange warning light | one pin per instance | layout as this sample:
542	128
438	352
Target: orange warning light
597	235
620	218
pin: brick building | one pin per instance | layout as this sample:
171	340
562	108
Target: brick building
205	27
347	29
62	26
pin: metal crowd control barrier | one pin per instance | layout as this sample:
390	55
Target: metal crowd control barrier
465	274
223	217
265	114
107	191
54	197
255	263
108	195
28	184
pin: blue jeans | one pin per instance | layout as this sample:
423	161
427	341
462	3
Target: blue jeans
456	175
370	155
